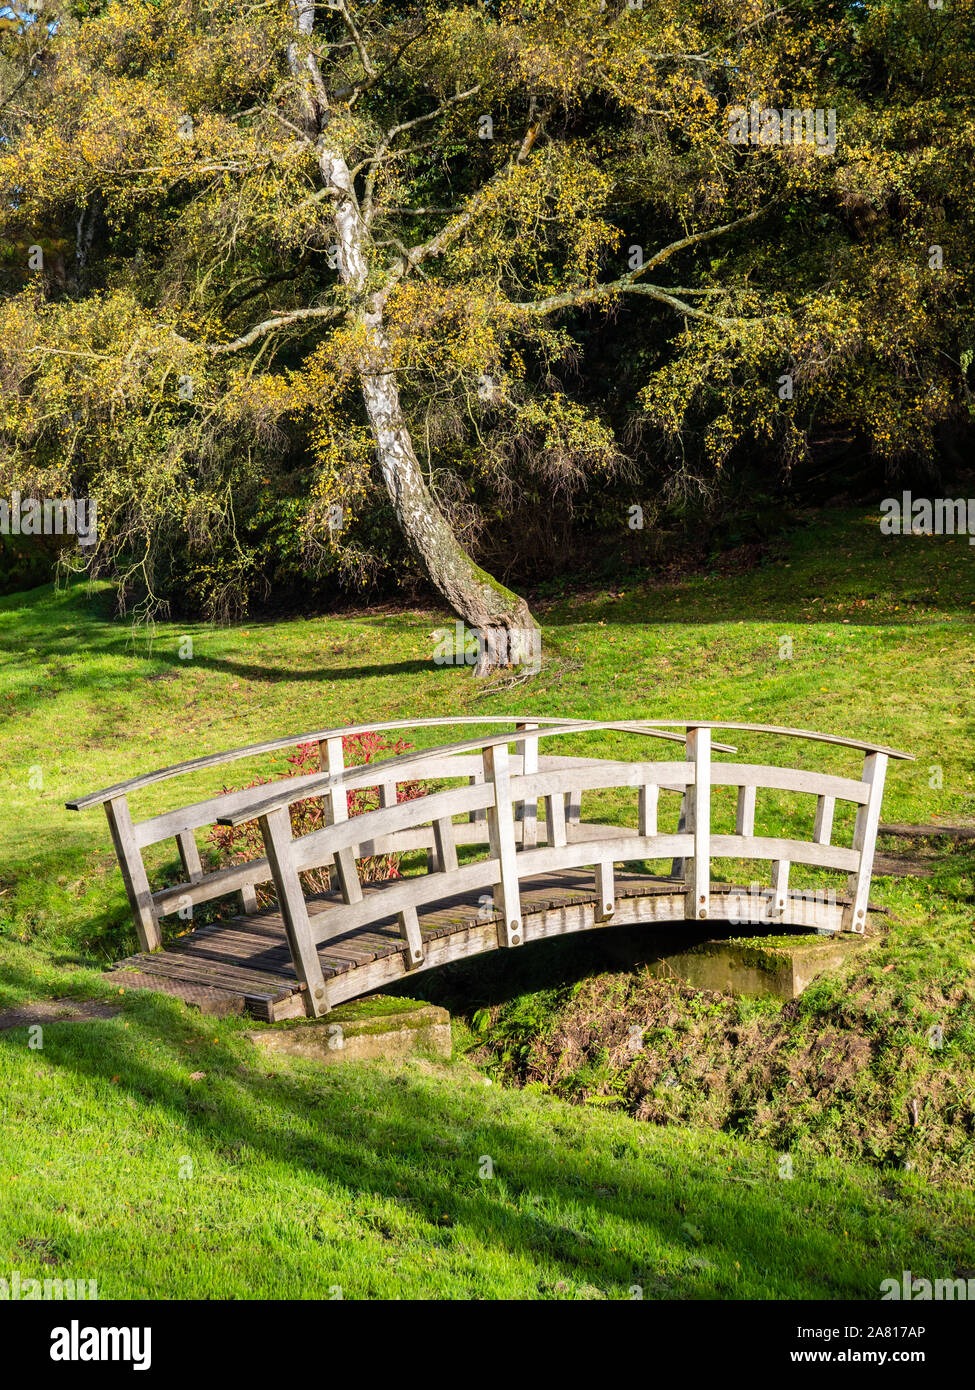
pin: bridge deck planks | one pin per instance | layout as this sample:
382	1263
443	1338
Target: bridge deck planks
247	959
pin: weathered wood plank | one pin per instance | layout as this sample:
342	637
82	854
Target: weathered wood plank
745	811
410	928
207	998
697	869
386	826
501	828
865	842
443	833
823	824
137	890
928	832
250	982
798	851
276	831
253	750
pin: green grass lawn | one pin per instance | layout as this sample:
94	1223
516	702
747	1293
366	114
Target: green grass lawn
286	1179
366	1177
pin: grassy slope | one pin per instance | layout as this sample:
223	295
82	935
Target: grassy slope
304	1180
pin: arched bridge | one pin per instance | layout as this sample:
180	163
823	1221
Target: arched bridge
499	872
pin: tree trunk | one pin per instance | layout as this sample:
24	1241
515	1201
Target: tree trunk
504	624
506	631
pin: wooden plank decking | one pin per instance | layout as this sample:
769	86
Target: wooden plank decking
245	963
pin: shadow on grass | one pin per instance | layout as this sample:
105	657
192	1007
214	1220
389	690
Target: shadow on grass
379	1134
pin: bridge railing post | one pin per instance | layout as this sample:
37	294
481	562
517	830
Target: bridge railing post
134	875
336	811
501	832
865	842
697	869
527	811
279	847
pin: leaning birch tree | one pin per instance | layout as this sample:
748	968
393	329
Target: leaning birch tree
360	236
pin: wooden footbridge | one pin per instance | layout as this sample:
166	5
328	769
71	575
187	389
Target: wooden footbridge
498	873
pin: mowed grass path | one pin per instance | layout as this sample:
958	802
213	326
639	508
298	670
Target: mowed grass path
289	1181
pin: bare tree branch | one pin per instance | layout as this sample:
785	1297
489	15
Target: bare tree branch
632	284
271	325
383	147
598	294
458	225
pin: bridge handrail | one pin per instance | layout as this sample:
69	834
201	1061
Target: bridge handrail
813	735
253	750
264	803
406	765
381	824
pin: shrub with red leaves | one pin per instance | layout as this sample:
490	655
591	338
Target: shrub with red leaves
237	844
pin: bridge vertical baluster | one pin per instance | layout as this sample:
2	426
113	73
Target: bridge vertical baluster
279	847
573	807
134	875
332	760
476	780
745	812
780	884
823	828
248	899
865	842
348	873
409	925
649	801
336	810
605	891
501	829
677	865
189	855
697	869
527	811
555	820
443	838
